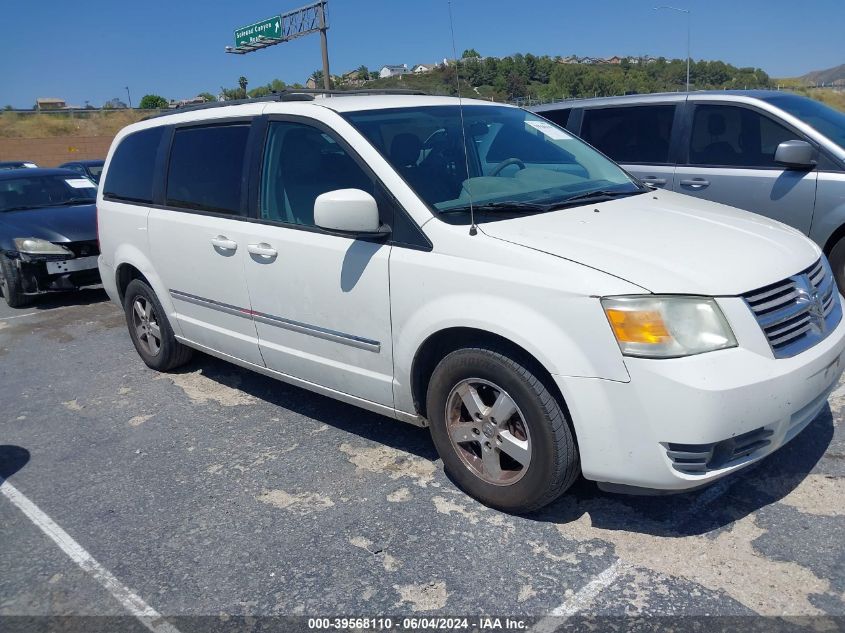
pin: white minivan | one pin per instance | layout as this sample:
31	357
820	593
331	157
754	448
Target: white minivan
471	267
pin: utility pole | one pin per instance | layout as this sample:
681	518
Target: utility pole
128	96
687	11
324	43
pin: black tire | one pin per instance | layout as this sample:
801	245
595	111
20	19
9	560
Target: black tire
554	463
10	285
170	353
837	263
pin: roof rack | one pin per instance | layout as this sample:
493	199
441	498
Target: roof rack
289	94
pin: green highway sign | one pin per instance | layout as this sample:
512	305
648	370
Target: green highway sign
270	28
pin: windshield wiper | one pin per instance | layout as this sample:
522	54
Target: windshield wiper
504	207
598	194
77	201
26	207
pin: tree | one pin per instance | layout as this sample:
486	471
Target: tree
152	102
363	73
242	82
207	96
261	91
114	104
470	53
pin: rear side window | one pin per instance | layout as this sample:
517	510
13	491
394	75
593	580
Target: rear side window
634	134
130	175
561	117
206	168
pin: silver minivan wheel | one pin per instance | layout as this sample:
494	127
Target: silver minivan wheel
488	431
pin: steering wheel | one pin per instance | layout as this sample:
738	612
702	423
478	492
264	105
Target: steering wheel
507	163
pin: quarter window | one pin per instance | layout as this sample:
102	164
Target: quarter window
131	170
300	163
734	136
632	135
206	169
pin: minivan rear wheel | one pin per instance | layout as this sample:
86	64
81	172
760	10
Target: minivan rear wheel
503	436
150	330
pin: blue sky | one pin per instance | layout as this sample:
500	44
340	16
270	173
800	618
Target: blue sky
90	50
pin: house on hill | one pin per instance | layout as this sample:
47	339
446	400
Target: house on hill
50	103
423	68
393	71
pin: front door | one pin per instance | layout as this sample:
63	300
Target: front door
731	160
321	302
199	240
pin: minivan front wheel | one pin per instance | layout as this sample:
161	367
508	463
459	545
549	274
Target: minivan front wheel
150	330
837	263
502	435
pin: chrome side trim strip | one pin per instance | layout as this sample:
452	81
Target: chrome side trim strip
210	303
287	324
375	407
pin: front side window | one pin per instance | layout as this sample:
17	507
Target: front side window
826	120
631	135
34	192
131	170
206	168
502	156
300	163
736	137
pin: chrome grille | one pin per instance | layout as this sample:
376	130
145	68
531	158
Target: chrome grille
799	311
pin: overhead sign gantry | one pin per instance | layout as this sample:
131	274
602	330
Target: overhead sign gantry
283	28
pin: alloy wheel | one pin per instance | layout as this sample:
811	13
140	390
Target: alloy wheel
488	431
146	325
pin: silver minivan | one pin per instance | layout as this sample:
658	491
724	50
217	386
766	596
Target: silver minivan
774	153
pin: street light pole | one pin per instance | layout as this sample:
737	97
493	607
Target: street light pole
687	11
128	96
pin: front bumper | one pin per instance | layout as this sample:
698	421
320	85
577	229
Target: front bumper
39	276
655	431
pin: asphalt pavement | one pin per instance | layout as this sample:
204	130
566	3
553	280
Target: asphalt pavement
214	491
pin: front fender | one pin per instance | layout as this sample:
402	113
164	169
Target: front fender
579	343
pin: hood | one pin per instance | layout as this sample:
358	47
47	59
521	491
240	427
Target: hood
667	243
74	223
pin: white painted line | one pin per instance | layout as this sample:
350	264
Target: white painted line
19	316
579	600
133	603
593	588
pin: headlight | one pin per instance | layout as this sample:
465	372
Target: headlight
36	246
667	326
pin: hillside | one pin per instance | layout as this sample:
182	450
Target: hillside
830	77
521	77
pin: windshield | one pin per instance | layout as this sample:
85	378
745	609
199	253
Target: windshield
32	192
510	156
814	113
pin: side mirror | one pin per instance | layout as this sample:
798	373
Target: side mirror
796	154
349	212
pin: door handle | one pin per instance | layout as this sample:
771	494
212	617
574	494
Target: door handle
654	180
224	243
262	250
698	183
